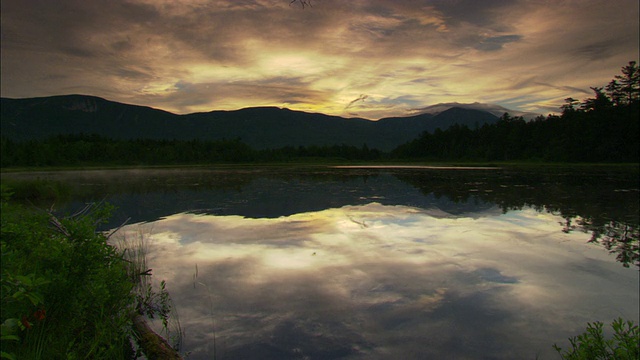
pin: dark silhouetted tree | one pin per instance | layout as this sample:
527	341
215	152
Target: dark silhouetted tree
625	89
600	102
569	105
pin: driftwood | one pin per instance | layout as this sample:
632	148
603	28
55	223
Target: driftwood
154	346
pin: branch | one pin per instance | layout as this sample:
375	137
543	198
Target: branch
303	3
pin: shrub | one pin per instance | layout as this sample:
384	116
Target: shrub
592	344
65	291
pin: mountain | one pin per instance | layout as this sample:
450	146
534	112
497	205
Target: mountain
259	127
494	109
453	115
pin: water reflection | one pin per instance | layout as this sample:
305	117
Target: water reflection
376	281
380	263
603	203
620	239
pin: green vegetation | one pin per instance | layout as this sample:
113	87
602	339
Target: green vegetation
598	130
592	344
67	293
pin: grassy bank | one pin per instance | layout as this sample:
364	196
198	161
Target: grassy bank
66	293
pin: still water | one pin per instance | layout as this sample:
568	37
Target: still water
381	263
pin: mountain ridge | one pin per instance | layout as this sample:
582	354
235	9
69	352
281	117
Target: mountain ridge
494	109
260	127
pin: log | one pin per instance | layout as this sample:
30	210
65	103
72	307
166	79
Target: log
154	346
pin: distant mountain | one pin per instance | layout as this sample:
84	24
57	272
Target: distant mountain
259	127
494	109
454	115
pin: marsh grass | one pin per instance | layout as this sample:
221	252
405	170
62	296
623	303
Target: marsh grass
152	300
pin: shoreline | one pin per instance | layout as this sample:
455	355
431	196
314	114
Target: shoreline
335	165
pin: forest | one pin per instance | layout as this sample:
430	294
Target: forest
601	129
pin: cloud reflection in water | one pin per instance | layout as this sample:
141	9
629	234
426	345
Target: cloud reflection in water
377	281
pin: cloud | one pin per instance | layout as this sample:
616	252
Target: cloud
483	14
235	53
495	43
362	97
566	88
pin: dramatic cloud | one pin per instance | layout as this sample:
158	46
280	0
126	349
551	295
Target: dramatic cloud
197	55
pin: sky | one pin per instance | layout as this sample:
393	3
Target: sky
369	59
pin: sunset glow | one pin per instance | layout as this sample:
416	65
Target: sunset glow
368	59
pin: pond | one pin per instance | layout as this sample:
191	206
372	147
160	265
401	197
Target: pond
380	262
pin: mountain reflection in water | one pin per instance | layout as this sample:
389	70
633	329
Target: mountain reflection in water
603	202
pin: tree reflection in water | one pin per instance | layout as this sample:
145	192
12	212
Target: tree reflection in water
603	203
620	239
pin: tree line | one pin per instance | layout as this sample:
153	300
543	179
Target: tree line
599	129
84	150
